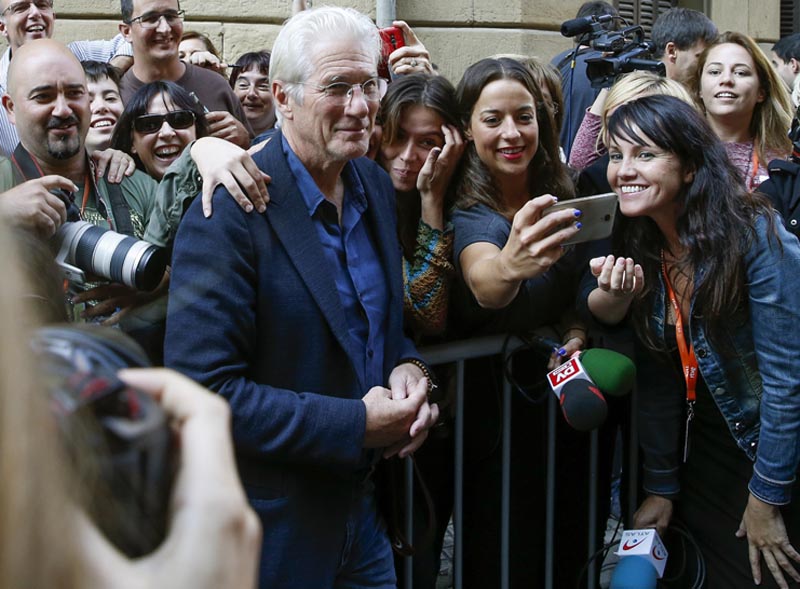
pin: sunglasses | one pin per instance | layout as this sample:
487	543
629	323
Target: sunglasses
177	119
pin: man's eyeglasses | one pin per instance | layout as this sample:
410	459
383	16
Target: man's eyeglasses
177	119
151	19
19	8
341	92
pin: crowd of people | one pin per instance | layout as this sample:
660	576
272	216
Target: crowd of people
321	223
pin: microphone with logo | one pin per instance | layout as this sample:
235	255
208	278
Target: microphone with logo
581	382
582	404
642	560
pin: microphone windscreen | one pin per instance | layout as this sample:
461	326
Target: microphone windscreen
583	405
612	372
633	572
576	26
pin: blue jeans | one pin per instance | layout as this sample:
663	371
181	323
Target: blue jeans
323	539
367	560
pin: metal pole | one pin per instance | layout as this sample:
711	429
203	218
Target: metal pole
385	13
593	454
458	502
505	498
409	560
550	501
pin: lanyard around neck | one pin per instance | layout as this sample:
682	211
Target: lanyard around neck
754	172
688	358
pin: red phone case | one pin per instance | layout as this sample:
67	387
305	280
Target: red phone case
391	38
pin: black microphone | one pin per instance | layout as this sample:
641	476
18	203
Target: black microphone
583	405
581	25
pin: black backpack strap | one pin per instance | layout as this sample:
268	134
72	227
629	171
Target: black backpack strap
122	212
24	166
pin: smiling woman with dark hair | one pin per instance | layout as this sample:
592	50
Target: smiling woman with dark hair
159	121
715	307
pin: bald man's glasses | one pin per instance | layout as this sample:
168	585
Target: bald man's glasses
151	19
20	8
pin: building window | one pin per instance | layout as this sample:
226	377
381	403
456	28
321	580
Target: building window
790	17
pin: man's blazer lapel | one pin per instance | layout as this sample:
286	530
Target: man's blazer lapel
288	216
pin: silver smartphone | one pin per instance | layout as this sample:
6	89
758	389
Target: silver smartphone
597	215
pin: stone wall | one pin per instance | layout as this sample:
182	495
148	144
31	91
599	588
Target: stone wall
457	32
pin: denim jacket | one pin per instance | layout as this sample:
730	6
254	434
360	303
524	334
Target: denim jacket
754	376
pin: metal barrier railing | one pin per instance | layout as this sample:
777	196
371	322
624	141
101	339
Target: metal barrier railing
459	352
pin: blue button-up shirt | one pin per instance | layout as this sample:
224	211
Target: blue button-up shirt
354	261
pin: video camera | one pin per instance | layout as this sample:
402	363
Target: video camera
623	51
82	248
116	437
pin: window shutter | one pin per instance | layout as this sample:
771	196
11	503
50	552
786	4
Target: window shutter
790	17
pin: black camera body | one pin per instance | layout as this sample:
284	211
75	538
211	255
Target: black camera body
623	51
116	437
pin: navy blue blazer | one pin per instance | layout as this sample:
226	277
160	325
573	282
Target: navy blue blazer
254	314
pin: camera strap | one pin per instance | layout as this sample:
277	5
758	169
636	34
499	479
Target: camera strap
26	168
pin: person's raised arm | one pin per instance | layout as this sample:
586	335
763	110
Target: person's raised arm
413	57
205	164
619	280
494	275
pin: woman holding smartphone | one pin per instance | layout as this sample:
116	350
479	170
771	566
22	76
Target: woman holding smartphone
512	172
514	275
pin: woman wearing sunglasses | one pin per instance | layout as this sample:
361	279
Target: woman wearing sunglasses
160	120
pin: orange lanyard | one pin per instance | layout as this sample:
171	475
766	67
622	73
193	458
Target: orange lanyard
86	190
688	359
754	173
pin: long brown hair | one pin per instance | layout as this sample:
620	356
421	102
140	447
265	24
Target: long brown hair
548	174
772	117
38	544
437	94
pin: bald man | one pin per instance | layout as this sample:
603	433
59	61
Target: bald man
48	102
22	21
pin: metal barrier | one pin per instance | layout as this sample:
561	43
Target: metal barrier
459	352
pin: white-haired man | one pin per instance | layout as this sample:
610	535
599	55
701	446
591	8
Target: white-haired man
295	315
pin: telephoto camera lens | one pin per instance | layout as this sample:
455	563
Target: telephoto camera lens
111	255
